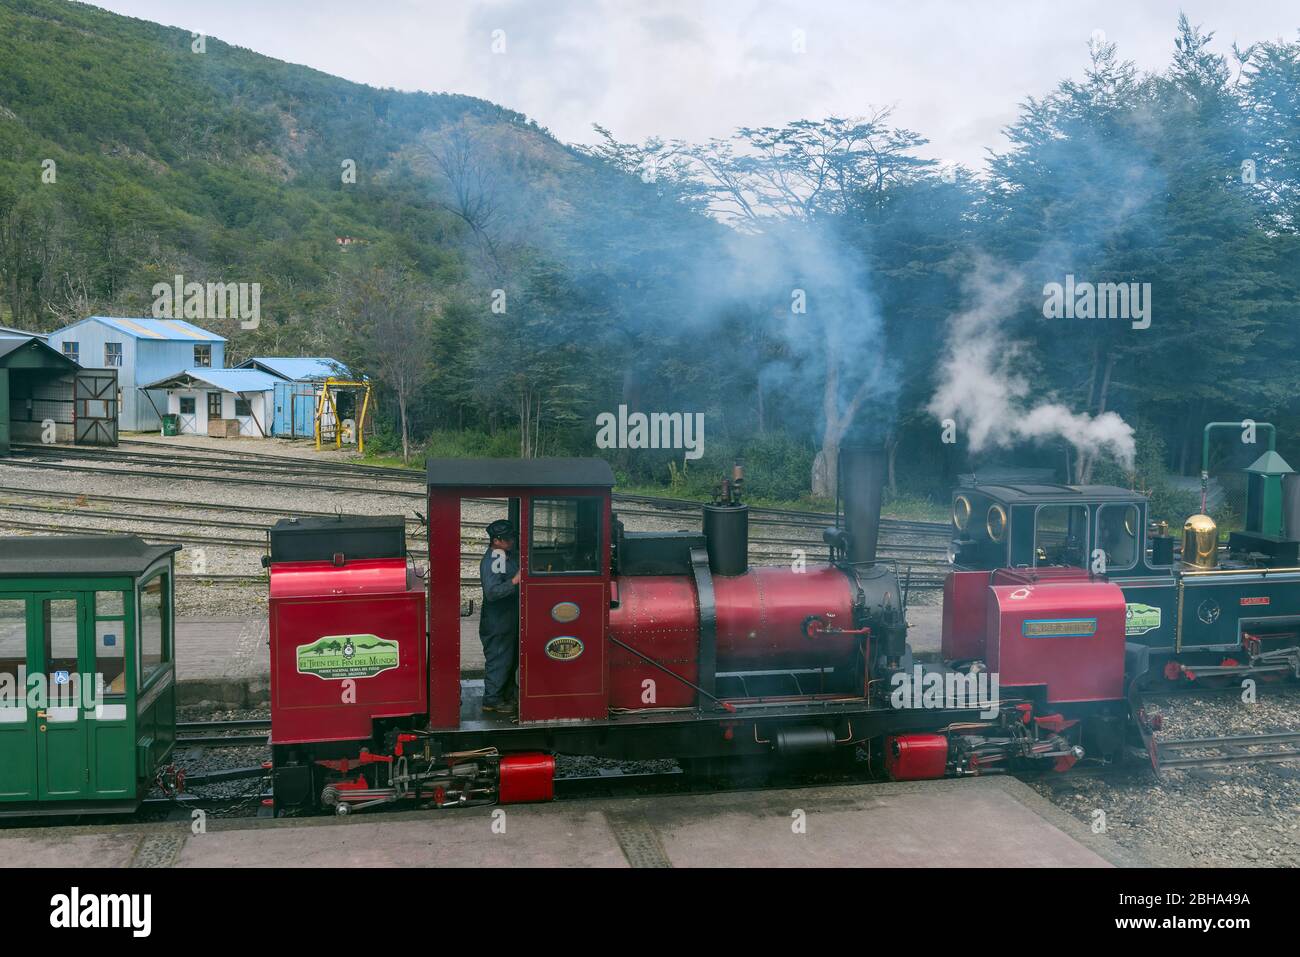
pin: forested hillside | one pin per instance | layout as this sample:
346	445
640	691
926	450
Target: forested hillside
800	286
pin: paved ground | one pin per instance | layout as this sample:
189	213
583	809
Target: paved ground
993	821
223	661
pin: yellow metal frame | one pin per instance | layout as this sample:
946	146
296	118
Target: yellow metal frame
327	401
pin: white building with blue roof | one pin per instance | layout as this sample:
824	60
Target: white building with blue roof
142	351
218	402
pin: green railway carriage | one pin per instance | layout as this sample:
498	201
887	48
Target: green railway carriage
87	672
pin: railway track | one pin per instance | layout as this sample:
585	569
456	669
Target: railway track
924	554
223	734
1265	748
267	464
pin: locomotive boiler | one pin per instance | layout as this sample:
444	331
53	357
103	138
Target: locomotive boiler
795	629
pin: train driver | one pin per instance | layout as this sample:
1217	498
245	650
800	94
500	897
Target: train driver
498	625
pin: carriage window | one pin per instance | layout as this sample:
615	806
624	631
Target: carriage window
1061	535
13	652
110	641
1117	535
154	638
565	536
60	649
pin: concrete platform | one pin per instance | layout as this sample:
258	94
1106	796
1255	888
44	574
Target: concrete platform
993	822
224	661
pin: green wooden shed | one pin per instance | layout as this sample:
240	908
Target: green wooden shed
46	396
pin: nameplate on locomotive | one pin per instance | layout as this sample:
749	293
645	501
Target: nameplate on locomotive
1059	628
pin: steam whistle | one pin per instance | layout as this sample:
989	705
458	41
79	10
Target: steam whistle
728	491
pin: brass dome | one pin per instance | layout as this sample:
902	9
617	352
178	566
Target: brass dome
1200	542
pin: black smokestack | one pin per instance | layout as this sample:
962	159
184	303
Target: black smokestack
861	484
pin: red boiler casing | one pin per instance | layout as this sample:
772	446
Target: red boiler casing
347	646
760	627
1065	635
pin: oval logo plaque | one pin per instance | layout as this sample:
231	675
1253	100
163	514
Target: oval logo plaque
563	648
565	612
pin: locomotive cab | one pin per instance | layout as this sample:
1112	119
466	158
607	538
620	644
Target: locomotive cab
1096	527
562	508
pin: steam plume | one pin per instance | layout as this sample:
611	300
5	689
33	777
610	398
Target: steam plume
992	405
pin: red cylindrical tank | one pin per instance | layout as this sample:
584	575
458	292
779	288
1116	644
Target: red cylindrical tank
526	777
761	616
916	757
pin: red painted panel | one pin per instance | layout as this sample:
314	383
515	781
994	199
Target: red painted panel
309	707
552	686
1074	667
1045	575
444	608
657	616
363	576
965	608
562	664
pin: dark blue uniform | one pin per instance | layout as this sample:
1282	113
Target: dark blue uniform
498	626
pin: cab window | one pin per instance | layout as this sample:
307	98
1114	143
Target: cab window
1061	535
155	637
564	536
1117	535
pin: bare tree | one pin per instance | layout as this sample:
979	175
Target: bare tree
388	314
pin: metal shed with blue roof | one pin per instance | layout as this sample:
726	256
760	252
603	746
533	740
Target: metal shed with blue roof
141	351
297	390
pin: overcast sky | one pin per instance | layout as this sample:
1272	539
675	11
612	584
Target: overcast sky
954	71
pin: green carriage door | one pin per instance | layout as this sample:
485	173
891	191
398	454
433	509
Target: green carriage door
62	768
17	721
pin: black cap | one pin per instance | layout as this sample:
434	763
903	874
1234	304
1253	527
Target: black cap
503	529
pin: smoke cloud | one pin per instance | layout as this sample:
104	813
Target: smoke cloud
992	404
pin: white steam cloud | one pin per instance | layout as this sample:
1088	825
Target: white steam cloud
991	403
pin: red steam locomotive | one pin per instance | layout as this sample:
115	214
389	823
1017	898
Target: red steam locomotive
640	645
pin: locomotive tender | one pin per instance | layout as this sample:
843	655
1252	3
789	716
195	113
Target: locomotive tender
661	645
